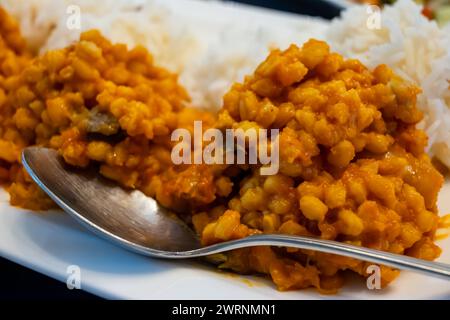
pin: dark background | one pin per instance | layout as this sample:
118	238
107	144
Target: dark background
17	282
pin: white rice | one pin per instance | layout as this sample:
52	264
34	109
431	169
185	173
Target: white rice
416	49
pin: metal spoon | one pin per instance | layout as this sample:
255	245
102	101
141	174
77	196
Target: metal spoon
140	224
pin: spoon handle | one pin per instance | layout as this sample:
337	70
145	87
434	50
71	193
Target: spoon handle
435	269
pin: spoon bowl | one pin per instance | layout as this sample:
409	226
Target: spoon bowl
127	217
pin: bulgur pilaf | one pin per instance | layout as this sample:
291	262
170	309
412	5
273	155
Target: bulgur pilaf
352	163
352	168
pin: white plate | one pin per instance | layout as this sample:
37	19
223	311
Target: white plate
52	242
